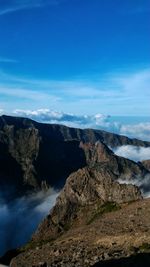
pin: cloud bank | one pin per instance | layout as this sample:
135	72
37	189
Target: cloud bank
133	152
97	121
140	130
69	119
136	154
20	218
142	182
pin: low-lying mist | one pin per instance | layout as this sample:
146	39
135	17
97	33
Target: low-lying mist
133	152
136	154
143	182
21	217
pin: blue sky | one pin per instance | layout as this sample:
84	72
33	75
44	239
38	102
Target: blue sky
75	56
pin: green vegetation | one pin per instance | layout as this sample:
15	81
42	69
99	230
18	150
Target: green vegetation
105	208
145	247
32	244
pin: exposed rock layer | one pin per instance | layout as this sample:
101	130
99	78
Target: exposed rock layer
35	154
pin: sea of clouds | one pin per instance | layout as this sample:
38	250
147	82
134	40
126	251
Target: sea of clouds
21	217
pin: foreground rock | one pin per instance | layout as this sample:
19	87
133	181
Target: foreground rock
111	236
95	218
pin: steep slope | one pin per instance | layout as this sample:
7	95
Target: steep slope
146	164
35	155
115	238
97	182
93	218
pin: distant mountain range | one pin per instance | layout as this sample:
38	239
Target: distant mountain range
36	155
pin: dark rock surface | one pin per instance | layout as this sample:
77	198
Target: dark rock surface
146	164
34	155
139	260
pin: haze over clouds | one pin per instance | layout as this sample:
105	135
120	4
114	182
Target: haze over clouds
112	93
20	218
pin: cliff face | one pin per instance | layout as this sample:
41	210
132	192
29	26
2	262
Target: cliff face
146	164
94	184
35	155
95	218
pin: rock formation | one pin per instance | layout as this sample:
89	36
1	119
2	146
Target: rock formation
34	155
146	164
94	184
95	218
119	237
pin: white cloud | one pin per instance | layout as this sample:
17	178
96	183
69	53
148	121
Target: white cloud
15	5
81	121
136	154
143	182
26	94
140	130
113	93
7	60
133	152
20	218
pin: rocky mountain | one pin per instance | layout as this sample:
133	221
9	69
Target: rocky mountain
95	218
116	237
146	164
35	155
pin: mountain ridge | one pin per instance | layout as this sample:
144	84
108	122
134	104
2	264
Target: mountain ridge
34	150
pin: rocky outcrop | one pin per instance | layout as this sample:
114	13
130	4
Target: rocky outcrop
116	236
96	183
34	155
100	156
146	164
93	217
